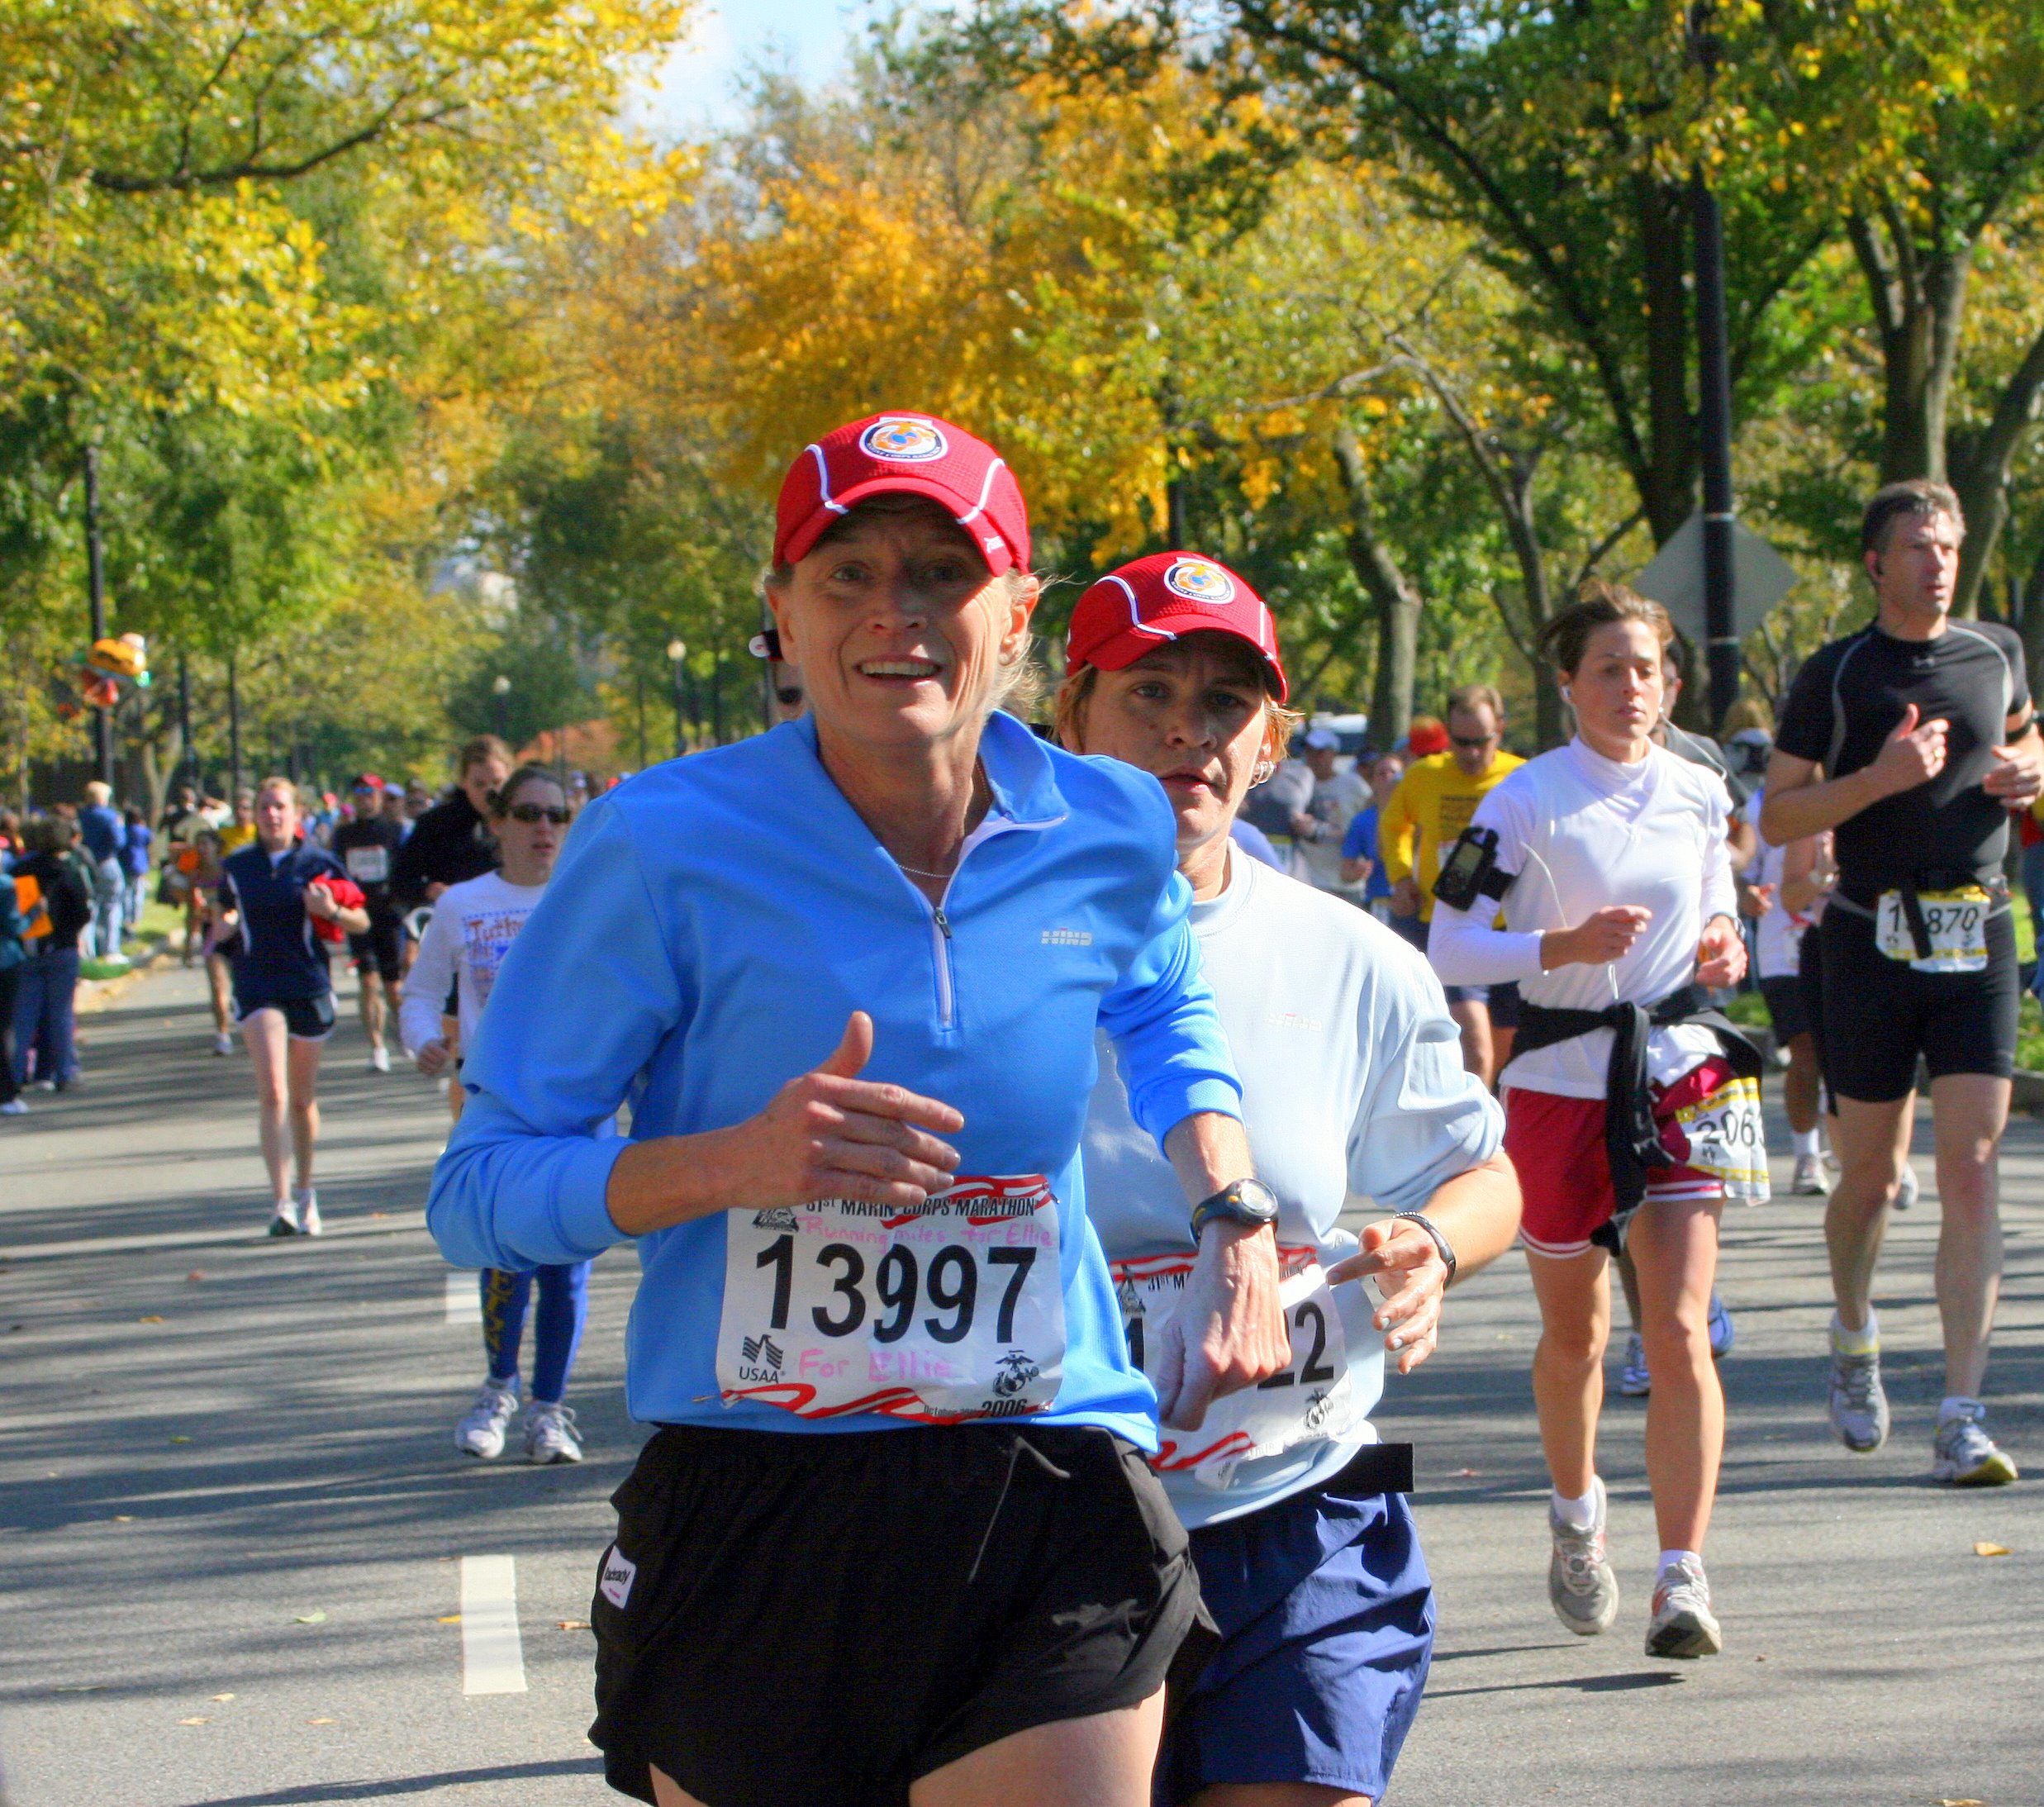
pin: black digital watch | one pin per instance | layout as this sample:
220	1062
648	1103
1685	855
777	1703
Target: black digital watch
1246	1201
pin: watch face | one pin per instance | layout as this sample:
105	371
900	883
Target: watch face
1254	1196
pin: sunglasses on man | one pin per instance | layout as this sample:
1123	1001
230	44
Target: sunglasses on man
1472	743
529	813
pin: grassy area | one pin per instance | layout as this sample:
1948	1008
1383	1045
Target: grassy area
159	927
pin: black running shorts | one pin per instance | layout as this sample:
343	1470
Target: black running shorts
382	949
1879	1014
306	1019
793	1618
1783	996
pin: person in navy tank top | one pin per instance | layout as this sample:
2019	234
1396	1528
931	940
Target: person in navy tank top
275	889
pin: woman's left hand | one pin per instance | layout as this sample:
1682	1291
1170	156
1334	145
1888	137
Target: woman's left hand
1720	955
1413	1279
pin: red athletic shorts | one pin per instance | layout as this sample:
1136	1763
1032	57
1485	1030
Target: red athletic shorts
1557	1145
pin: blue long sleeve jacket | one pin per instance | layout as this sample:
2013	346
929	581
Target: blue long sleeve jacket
712	924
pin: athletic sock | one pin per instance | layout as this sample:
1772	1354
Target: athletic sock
1866	1342
1808	1141
1577	1514
506	1383
1669	1558
1957	1405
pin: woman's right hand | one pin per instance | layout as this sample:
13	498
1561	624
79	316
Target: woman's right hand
432	1059
827	1133
1607	936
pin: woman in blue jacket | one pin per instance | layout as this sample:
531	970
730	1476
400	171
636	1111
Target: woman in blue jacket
896	1541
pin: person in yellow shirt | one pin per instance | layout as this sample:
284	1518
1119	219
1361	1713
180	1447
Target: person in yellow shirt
1425	816
241	831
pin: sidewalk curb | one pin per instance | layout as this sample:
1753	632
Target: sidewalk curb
2027	1090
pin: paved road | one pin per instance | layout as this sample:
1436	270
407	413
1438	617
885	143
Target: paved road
232	1527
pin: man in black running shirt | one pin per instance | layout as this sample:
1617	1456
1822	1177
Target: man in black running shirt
1912	740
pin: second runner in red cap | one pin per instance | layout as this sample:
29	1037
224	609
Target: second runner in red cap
1308	1557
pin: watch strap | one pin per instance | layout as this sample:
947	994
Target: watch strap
1226	1206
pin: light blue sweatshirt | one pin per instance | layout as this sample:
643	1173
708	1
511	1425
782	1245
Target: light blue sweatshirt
712	924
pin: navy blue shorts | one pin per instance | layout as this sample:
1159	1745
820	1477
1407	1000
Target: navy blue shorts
1326	1613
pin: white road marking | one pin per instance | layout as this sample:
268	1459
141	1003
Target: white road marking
464	1296
492	1661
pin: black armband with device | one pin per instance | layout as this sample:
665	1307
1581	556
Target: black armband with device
1470	871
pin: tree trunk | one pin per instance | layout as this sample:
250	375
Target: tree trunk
1397	603
1980	474
1668	490
1918	303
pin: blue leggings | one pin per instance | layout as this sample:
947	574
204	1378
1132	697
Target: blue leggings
557	1324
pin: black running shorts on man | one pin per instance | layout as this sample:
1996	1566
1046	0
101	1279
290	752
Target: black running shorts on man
823	1620
1880	1013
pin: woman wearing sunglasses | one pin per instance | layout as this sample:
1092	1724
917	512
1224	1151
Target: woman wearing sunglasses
473	927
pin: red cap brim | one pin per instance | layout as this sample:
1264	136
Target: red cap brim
993	546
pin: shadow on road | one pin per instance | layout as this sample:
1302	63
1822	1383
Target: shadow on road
409	1785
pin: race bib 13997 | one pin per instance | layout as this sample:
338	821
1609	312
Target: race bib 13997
946	1312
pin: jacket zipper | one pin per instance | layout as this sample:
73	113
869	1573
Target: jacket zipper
940	939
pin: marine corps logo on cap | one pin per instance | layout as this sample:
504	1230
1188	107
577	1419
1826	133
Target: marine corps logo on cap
1198	580
902	441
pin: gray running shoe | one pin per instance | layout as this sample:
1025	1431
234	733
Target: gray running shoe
1634	1380
1966	1455
1581	1582
1859	1408
1811	1180
1682	1624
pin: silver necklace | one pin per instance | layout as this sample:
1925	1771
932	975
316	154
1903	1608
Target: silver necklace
979	781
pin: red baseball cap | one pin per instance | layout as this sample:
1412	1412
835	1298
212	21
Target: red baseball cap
912	454
1150	602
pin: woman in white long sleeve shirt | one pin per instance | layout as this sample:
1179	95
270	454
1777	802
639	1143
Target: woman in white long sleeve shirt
472	927
1631	1107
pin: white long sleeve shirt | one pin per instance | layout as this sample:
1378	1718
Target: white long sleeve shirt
1582	833
1352	1085
472	927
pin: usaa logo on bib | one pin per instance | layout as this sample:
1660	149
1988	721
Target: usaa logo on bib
903	441
1198	580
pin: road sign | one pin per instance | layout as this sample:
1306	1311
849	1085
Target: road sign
1761	578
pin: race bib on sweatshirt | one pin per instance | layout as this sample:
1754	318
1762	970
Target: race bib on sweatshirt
1726	1139
1956	920
368	865
1312	1400
951	1310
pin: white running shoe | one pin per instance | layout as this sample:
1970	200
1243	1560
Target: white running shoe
1965	1455
285	1222
223	1044
13	1108
379	1058
551	1434
1682	1624
1634	1381
1906	1196
1581	1584
1811	1180
309	1224
480	1431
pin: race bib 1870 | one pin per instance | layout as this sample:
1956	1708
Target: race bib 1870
949	1310
1955	922
1313	1398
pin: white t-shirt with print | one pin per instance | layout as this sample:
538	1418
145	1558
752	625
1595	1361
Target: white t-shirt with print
472	927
